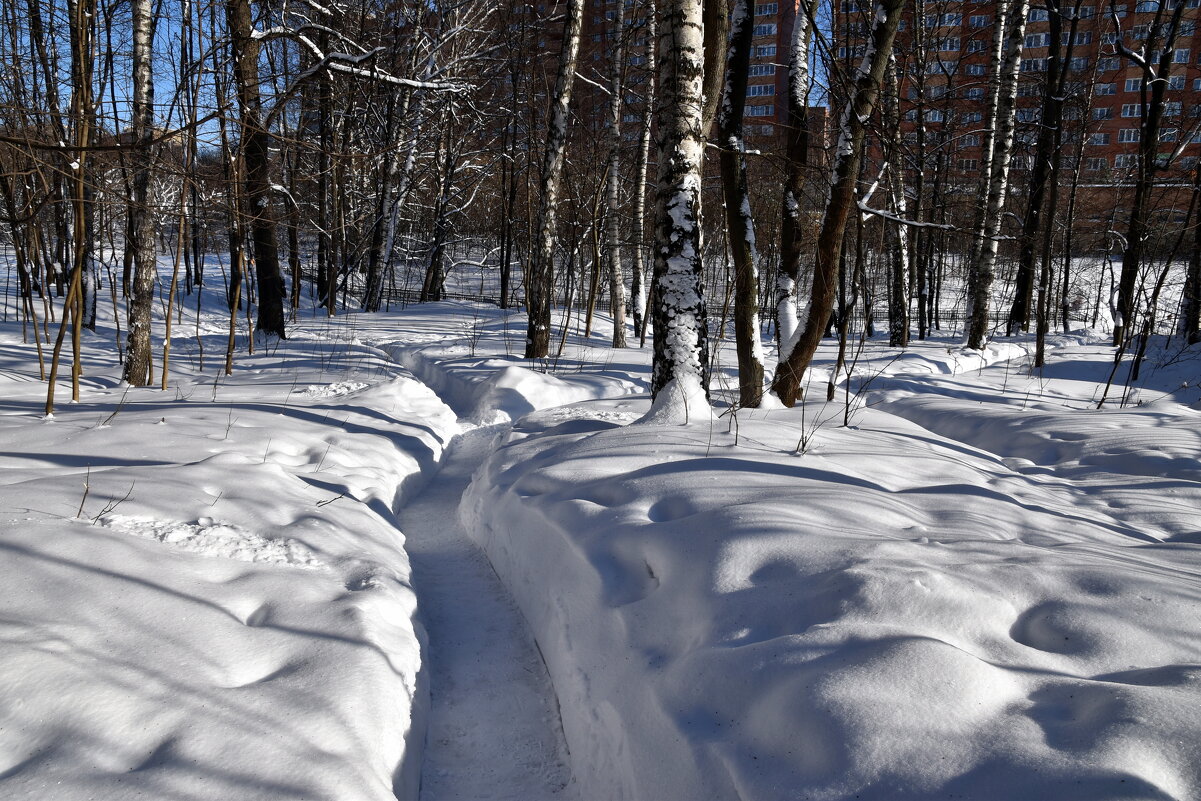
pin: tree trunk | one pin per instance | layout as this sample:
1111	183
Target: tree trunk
617	289
639	282
740	225
796	162
540	282
141	226
858	109
680	332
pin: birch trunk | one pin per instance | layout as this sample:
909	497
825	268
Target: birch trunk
740	225
617	290
540	282
898	301
644	148
680	332
255	144
998	150
138	353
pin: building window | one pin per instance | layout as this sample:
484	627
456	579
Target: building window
1103	113
978	20
950	44
971	140
1038	39
761	90
1107	64
1188	162
972	116
1176	82
1097	163
975	45
762	69
1134	84
1078	63
766	29
765	51
934	115
951	20
1098	139
1120	11
1109	37
1146	6
1168	135
1128	135
1087	12
975	69
1180	55
1173	108
760	111
1140	31
1028	115
1106	89
767	9
1132	109
1034	65
975	94
967	164
1124	160
1037	15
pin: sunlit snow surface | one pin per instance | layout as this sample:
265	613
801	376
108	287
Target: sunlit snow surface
983	588
227	613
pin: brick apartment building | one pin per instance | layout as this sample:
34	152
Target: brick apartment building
944	95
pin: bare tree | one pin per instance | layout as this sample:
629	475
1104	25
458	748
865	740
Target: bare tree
680	331
138	363
863	92
540	282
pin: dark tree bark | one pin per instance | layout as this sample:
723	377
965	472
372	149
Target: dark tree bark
740	226
864	91
256	158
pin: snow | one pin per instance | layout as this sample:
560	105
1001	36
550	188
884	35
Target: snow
983	586
227	612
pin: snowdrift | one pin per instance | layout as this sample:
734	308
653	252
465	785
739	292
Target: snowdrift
893	615
226	611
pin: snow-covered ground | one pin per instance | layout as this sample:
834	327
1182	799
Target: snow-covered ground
983	587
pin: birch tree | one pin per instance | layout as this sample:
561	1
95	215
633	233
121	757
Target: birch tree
255	144
141	226
540	282
617	290
996	154
680	332
863	93
796	162
898	298
639	282
1154	60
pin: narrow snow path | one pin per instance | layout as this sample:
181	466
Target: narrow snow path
494	729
